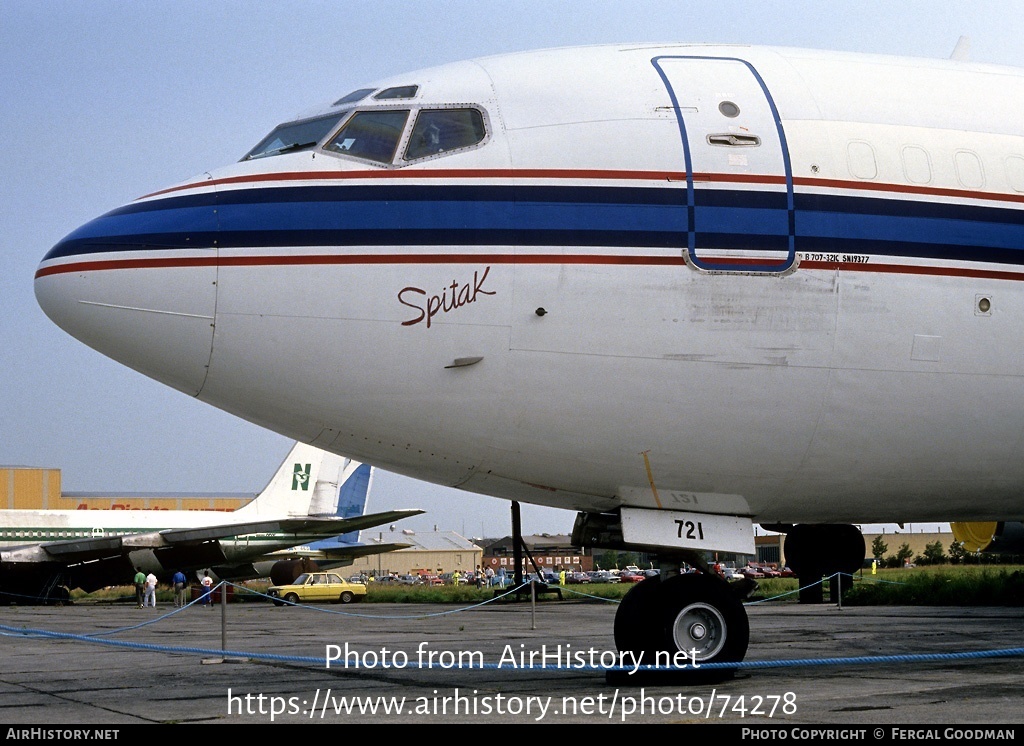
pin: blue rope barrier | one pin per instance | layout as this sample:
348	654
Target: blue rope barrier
323	661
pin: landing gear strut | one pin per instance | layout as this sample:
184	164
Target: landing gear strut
680	622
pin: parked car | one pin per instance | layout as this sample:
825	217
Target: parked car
603	576
751	572
317	586
409	579
627	576
448	578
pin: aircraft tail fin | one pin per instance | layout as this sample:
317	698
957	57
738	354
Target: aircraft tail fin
352	498
312	482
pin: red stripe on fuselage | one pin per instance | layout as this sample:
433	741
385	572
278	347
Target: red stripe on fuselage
593	259
441	173
598	174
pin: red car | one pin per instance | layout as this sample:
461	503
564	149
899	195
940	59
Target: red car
631	577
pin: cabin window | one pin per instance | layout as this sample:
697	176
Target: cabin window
729	109
969	171
860	157
1015	172
293	136
351	98
372	134
916	165
400	91
443	130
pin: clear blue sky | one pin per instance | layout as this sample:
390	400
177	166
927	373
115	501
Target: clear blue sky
103	101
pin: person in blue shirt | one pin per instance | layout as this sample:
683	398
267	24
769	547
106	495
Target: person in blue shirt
179	583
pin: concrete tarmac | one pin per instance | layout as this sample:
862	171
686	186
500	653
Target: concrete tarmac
71	681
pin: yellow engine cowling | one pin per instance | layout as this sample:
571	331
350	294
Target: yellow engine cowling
998	537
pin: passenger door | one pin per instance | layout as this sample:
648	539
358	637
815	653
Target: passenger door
739	183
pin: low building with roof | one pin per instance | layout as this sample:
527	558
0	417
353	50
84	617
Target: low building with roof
432	552
39	488
550	551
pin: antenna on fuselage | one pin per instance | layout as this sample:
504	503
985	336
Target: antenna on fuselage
962	50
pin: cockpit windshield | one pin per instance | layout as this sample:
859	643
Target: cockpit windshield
372	134
291	136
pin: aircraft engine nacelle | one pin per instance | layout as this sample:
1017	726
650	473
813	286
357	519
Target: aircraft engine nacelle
285	571
991	537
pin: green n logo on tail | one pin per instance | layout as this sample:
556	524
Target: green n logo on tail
300	477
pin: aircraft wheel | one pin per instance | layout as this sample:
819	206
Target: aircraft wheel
702	617
346	597
636	622
291	598
278	603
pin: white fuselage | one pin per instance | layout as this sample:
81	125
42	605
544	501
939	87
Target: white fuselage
21	531
806	310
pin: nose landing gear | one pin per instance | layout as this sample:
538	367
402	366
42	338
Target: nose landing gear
680	624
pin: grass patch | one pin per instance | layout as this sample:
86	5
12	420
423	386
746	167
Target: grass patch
942	585
939	585
464	594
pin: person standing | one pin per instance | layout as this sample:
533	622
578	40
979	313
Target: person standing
140	586
150	591
179	589
207	582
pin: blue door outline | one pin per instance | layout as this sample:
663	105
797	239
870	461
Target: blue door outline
789	264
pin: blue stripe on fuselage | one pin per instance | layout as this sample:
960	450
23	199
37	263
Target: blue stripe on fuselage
628	217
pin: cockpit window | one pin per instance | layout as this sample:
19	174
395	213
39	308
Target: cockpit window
354	96
371	134
401	91
293	136
440	130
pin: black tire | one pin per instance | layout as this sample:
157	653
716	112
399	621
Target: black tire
636	621
346	597
700	612
291	598
278	602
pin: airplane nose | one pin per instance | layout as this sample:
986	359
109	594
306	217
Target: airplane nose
139	284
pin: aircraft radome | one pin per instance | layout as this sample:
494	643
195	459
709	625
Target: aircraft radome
314	497
681	289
